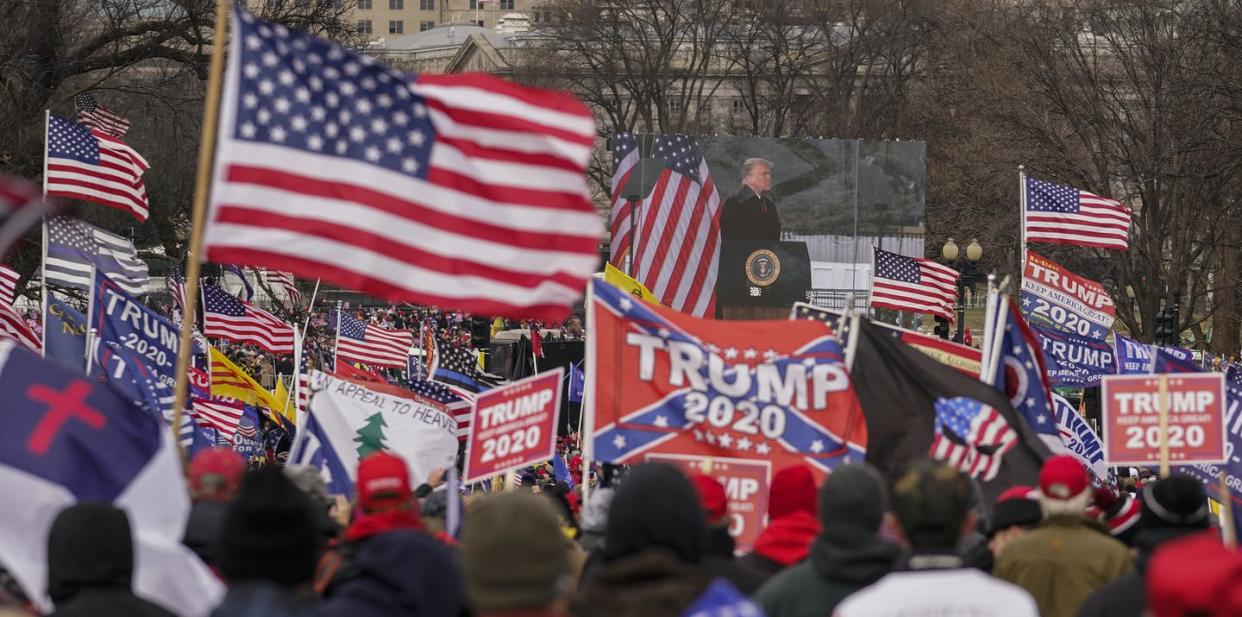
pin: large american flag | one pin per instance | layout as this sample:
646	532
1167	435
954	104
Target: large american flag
8	285
462	191
370	344
625	157
677	236
1065	215
913	284
96	116
971	436
228	318
87	164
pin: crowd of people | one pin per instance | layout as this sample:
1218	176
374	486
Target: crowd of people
654	542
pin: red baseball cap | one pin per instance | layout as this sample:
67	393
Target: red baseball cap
711	496
215	474
383	482
1062	477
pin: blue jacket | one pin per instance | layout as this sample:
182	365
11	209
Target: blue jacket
397	573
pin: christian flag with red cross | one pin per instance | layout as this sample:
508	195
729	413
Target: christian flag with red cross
665	382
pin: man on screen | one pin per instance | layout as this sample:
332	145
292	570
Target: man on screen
750	214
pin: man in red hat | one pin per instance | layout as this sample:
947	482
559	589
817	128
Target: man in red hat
1068	556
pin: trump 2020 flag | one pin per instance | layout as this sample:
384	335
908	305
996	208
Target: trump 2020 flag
1081	441
463	191
664	383
69	439
348	420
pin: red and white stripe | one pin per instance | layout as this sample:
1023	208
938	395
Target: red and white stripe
8	285
935	293
622	209
14	326
284	281
381	347
502	223
221	414
677	253
1100	222
986	430
256	326
115	182
101	119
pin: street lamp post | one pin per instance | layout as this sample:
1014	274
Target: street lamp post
968	268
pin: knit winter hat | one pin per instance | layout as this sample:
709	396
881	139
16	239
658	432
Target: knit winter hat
269	532
1018	506
853	500
1063	485
383	482
1175	501
1195	575
793	490
711	497
514	555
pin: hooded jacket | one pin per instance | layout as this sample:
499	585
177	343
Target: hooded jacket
792	522
650	562
395	573
840	563
90	564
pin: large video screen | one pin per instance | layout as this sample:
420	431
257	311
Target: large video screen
796	215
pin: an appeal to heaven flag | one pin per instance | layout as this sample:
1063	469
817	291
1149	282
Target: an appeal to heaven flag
349	420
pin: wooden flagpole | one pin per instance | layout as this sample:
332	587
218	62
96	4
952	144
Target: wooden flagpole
1226	512
202	184
1162	402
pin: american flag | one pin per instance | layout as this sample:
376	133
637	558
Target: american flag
91	166
677	235
458	368
283	281
8	285
462	191
14	326
176	288
221	414
304	380
96	116
75	249
625	156
913	284
459	407
231	319
1065	215
370	344
971	436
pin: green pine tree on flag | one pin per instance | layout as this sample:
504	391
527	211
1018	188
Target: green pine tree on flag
370	437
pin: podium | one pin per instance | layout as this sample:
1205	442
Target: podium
756	280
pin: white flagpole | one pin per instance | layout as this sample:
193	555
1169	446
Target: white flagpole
90	318
989	315
586	434
47	123
336	344
988	374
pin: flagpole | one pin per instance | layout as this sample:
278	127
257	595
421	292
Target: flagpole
988	374
202	184
336	342
47	122
587	411
989	315
90	318
1022	224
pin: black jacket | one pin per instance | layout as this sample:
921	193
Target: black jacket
90	564
719	561
203	527
748	216
401	572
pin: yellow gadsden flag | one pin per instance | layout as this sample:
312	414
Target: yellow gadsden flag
228	379
628	284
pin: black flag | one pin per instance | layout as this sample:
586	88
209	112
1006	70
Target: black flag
898	386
